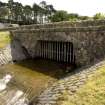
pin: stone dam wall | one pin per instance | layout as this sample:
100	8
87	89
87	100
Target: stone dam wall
88	40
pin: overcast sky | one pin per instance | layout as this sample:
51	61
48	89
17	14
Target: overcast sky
82	7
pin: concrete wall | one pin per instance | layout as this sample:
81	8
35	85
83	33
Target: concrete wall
88	42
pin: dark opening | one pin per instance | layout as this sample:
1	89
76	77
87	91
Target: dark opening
57	51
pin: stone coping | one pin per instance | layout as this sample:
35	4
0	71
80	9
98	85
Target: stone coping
64	29
77	24
69	23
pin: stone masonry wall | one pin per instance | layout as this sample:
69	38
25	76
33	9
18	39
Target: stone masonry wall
88	42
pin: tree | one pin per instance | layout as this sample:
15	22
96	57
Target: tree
43	11
43	4
60	16
73	16
99	16
49	12
84	17
3	12
37	10
2	4
10	6
27	13
18	11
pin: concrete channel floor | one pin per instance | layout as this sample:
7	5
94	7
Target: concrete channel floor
30	76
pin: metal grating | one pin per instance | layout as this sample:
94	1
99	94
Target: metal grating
57	51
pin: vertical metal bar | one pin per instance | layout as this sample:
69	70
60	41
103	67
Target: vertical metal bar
54	50
47	53
45	50
63	51
60	51
38	54
41	49
57	51
68	58
49	49
71	53
66	51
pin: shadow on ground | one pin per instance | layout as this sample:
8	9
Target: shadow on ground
47	67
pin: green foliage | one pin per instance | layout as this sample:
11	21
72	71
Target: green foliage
73	17
60	16
99	16
84	17
64	16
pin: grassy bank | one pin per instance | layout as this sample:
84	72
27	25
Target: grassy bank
92	93
4	38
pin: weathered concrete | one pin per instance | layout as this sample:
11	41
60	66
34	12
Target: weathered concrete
88	42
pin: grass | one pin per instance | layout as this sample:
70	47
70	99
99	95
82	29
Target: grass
4	38
92	93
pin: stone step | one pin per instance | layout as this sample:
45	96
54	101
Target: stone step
4	57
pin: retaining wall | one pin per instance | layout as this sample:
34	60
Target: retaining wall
88	42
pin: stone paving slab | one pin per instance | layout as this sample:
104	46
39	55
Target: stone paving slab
70	83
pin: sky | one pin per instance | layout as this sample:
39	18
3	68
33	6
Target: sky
82	7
